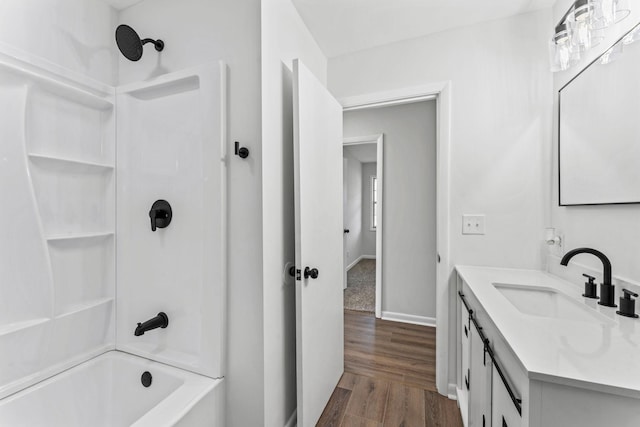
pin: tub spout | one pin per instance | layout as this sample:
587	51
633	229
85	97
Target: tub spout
160	321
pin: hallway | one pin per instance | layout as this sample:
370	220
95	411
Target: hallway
389	377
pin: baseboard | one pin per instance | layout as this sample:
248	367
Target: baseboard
291	422
453	392
409	318
360	258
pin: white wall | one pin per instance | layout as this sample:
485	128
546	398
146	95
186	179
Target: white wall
368	236
500	132
75	34
501	124
284	38
354	208
409	206
614	230
202	31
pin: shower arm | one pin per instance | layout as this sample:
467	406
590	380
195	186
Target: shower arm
159	44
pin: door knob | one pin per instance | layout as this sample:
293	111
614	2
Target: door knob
160	214
310	272
346	230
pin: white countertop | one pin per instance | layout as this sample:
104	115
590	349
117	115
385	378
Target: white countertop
602	354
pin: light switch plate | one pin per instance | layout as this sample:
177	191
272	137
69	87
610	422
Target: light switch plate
472	224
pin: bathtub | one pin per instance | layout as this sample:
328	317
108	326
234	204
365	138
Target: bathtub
108	391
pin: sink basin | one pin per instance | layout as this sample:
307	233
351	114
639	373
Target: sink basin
547	302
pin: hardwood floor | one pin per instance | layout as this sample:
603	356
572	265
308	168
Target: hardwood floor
389	378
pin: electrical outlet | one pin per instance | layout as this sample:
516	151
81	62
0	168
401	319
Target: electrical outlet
472	224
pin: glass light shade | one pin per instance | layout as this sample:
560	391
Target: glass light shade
609	12
583	35
562	56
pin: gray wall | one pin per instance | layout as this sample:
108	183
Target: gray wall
353	211
368	236
409	205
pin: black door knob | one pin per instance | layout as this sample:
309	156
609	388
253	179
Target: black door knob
346	230
160	214
310	272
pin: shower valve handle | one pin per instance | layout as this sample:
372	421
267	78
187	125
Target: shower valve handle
160	214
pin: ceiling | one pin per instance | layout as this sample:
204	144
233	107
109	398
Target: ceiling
345	26
364	153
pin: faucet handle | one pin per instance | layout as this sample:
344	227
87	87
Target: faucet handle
590	287
627	304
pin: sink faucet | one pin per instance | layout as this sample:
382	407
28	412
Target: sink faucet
160	321
607	290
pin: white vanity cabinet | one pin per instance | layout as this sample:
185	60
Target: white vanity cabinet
526	369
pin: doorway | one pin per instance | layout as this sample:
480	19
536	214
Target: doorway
441	92
408	233
362	210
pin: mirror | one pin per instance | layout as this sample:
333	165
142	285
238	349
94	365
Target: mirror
599	129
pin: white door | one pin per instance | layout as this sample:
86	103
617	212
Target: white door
317	125
345	233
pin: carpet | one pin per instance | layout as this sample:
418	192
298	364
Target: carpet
360	294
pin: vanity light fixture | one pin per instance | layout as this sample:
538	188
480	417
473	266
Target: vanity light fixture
581	28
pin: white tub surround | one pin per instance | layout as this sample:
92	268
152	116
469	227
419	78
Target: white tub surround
107	391
58	275
172	146
570	360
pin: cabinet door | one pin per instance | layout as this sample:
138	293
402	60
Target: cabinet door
464	349
480	367
504	412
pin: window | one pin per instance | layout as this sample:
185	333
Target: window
374	203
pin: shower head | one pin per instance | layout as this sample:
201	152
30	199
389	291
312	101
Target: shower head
130	44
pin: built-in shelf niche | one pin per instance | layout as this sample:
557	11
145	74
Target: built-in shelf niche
83	268
63	125
73	197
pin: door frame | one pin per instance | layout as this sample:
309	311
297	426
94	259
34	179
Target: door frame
379	141
441	92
